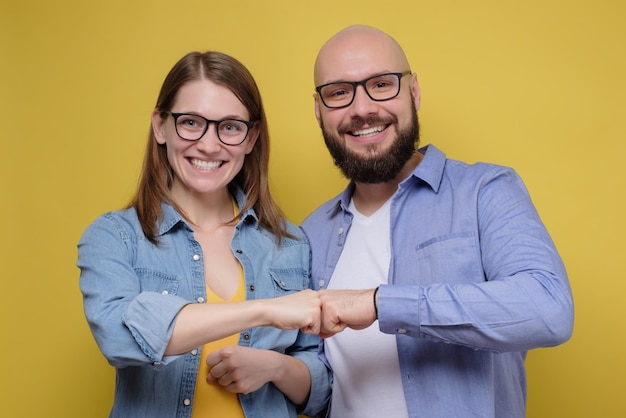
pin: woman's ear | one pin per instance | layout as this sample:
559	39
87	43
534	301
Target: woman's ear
158	126
253	135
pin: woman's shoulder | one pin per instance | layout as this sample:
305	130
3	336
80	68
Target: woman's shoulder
296	231
123	222
294	235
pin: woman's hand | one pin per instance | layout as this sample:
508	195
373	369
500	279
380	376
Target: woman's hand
299	310
244	370
240	369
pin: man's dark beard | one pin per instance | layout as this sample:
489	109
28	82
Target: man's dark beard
376	167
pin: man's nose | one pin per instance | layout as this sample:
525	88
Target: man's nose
362	103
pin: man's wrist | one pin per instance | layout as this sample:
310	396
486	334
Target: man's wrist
376	301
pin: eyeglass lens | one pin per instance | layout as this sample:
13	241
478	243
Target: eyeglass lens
381	87
193	127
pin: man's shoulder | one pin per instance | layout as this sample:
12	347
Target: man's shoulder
476	171
434	155
323	212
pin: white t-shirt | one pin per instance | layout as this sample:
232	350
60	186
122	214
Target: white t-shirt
367	380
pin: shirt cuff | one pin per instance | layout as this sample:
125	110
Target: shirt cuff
150	317
398	309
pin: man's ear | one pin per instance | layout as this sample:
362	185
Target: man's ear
415	90
317	109
158	127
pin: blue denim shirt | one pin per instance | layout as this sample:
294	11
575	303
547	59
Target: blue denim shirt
474	282
133	291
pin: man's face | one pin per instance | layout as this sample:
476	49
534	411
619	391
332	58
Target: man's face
369	140
373	162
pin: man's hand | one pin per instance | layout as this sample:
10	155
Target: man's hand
343	309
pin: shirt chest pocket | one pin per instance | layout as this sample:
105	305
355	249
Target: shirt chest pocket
287	281
453	258
157	281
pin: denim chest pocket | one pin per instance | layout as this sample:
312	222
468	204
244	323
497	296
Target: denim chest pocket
288	280
157	281
452	258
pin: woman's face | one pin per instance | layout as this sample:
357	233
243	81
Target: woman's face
204	166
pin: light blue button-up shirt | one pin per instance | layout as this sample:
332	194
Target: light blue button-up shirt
474	282
133	291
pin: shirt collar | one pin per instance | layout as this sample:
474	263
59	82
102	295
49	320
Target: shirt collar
249	215
429	171
171	217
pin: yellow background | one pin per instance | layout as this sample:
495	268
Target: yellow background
536	84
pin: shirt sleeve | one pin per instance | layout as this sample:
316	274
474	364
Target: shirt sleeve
524	300
131	327
306	349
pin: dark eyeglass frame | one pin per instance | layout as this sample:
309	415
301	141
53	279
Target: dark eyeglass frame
249	124
355	84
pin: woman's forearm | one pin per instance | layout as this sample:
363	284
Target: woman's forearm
198	324
292	378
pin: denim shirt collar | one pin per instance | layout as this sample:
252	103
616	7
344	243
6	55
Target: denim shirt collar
249	215
171	217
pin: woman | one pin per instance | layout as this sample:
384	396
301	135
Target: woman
197	291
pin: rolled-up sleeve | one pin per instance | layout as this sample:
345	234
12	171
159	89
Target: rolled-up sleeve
306	350
131	327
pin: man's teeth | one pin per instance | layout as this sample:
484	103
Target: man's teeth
205	165
368	131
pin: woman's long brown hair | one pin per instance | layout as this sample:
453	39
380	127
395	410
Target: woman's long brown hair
157	175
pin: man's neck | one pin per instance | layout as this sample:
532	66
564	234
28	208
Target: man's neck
369	197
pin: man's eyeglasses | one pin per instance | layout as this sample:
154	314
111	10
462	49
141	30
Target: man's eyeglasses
379	88
192	127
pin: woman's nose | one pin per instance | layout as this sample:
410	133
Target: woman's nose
209	141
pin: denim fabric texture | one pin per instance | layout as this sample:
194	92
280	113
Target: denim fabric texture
134	289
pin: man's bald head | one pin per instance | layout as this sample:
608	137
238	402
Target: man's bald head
356	50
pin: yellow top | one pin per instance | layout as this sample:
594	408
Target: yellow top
213	400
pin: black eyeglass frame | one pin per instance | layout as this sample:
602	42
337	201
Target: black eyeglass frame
355	84
249	124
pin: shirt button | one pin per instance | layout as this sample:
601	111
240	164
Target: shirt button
246	336
200	299
282	283
194	351
187	402
196	257
321	283
252	288
239	251
401	331
164	292
340	230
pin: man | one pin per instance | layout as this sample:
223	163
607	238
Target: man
451	259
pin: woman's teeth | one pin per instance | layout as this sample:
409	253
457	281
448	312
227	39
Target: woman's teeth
206	165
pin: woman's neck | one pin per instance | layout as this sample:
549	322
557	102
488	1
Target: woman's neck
205	212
